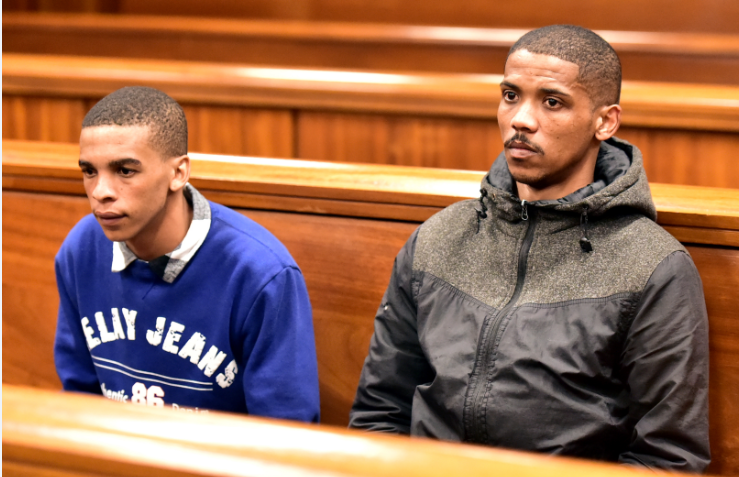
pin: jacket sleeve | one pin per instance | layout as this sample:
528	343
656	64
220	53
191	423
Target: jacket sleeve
71	347
396	363
280	377
665	360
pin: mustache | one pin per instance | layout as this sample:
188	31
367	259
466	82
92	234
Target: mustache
520	138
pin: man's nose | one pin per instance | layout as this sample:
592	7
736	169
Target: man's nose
103	189
525	118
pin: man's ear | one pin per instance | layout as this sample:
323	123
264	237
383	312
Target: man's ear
607	122
181	172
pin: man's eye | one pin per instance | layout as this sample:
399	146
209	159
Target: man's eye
509	95
553	103
126	172
88	172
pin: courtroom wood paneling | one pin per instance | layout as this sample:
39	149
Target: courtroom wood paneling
43	118
674	156
400	140
240	131
437	120
35	226
645	56
719	269
211	128
656	15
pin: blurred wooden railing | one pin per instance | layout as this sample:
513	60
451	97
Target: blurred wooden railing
689	134
343	223
64	434
658	15
645	56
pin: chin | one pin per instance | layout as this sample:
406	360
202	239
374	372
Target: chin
117	235
530	178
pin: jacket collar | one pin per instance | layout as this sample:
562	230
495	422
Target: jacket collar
169	266
619	181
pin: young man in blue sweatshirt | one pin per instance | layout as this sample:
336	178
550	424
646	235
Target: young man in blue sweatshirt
167	299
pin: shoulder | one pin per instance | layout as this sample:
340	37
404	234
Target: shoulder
446	231
637	242
243	241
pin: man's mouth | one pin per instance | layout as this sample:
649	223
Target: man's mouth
519	147
109	218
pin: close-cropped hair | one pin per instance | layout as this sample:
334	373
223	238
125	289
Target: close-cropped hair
599	66
143	106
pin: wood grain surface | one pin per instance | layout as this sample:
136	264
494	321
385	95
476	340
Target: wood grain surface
689	133
660	15
343	224
51	434
645	56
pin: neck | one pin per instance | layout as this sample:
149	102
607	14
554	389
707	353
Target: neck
169	231
574	178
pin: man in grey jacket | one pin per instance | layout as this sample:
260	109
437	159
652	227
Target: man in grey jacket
552	314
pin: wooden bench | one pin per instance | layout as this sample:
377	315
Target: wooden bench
343	223
52	434
635	15
645	56
689	134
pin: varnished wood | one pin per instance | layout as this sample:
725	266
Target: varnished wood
665	105
80	434
343	223
660	15
689	133
645	56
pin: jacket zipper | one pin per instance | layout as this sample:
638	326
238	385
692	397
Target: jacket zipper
492	332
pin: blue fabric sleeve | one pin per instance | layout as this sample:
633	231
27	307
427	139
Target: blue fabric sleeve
71	354
280	376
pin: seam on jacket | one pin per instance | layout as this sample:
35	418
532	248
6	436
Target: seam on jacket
575	301
455	291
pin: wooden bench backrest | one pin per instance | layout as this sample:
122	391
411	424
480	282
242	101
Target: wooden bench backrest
430	120
343	223
645	56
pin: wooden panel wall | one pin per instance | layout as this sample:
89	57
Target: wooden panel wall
661	15
651	56
211	128
671	155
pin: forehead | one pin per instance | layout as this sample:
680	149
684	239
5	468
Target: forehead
116	142
524	66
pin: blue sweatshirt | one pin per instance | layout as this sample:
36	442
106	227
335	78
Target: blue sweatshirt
225	325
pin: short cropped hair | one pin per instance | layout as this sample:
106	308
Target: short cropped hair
142	106
600	68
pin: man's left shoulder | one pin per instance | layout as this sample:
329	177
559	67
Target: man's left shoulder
639	241
242	240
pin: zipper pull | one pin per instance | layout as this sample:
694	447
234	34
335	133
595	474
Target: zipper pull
524	210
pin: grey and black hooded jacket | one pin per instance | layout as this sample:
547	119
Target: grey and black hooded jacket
574	326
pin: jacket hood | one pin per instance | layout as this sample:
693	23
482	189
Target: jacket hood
620	182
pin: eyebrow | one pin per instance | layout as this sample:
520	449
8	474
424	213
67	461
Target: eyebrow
116	163
557	92
509	85
554	91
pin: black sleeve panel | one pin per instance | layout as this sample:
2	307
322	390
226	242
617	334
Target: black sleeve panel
665	360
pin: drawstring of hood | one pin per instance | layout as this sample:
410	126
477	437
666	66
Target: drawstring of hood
482	212
585	244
